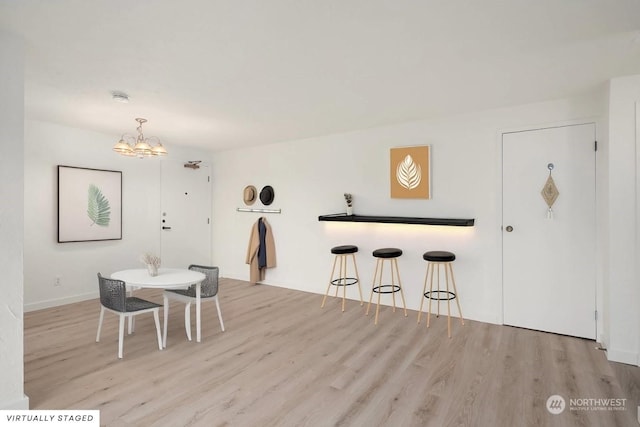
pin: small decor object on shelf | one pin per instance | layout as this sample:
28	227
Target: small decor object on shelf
349	199
152	262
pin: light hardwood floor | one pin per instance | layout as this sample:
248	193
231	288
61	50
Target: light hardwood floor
284	361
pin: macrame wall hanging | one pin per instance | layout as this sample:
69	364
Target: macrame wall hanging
550	192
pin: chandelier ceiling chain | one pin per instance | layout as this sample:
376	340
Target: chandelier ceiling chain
139	147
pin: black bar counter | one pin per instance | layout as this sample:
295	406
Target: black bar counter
453	222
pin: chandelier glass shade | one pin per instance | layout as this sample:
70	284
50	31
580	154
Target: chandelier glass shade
139	146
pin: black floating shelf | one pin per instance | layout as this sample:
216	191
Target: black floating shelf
453	222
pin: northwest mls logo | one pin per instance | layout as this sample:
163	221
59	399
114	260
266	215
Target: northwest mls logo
556	404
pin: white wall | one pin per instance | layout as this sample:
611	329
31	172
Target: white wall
310	177
624	293
48	145
11	223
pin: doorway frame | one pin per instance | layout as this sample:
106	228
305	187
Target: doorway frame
203	163
601	229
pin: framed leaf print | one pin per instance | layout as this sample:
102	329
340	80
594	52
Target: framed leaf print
89	204
410	172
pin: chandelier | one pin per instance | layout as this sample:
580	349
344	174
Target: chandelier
139	147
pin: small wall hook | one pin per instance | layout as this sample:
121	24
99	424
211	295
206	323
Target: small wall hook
193	164
550	166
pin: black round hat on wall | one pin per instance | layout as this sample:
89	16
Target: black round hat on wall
267	195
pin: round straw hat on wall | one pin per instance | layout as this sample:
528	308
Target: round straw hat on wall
249	195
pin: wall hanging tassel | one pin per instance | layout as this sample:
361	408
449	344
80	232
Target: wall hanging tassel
550	192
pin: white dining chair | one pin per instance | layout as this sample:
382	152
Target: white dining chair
113	298
208	292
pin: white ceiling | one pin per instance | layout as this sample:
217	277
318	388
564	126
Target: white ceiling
225	74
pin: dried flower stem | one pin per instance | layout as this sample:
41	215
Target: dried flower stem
150	259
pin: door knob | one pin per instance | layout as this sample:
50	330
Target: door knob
166	228
509	229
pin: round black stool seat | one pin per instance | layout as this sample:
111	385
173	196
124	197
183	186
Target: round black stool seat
439	256
341	259
377	287
437	261
387	253
344	249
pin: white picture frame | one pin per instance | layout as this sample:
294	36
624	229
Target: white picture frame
89	204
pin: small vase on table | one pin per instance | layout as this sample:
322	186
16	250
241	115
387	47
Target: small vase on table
152	262
152	269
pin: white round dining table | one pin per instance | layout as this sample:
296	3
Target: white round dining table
167	278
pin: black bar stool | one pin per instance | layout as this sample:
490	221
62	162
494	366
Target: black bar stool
382	255
436	259
341	253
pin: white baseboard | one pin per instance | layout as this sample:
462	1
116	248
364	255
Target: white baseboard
59	301
627	357
236	275
16	405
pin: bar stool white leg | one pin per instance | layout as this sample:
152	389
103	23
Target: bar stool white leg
437	265
375	274
375	322
430	268
393	285
446	275
335	259
341	278
453	281
355	267
424	290
343	274
395	262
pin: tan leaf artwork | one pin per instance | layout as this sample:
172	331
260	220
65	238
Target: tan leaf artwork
408	173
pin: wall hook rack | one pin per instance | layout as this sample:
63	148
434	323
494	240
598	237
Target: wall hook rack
275	211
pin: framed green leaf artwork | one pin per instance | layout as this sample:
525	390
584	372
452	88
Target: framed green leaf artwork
89	204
